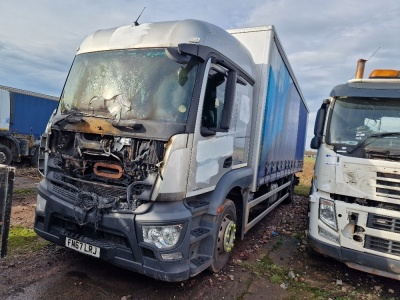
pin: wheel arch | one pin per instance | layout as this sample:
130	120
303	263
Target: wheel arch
232	186
13	144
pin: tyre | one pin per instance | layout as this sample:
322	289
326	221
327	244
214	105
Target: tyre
290	190
225	236
35	158
5	155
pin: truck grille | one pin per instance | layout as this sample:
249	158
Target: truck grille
382	245
106	191
388	185
385	223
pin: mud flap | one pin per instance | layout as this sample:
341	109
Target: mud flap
6	188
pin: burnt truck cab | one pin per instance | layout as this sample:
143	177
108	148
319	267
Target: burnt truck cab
148	126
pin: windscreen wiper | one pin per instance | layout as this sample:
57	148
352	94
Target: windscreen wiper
128	125
72	117
75	116
373	136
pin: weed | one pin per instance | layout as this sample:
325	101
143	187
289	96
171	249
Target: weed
277	244
299	236
265	267
275	278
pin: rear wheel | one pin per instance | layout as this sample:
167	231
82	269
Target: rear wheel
35	157
5	155
226	236
290	190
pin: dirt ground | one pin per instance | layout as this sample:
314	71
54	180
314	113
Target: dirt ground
270	263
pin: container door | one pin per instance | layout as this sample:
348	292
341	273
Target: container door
4	110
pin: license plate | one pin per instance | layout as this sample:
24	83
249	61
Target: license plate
82	247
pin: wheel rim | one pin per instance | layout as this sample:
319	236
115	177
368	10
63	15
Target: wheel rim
2	157
226	235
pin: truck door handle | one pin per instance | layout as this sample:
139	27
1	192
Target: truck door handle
228	162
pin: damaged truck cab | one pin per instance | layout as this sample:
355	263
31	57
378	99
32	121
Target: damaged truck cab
148	160
354	208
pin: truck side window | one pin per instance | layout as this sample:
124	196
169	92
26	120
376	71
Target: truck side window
214	98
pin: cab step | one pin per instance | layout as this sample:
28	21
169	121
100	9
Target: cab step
199	264
197	207
199	234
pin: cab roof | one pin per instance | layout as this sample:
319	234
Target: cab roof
169	34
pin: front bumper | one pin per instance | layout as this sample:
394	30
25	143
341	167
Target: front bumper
117	235
358	260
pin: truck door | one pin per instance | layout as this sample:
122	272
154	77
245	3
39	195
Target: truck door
4	110
217	146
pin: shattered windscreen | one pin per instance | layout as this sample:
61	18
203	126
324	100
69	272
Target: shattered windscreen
370	122
135	84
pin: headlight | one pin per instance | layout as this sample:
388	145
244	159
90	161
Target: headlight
40	204
327	212
162	236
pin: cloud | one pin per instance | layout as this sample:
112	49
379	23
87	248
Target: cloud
322	39
325	39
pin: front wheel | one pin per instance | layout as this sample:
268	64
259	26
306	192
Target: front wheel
225	236
5	155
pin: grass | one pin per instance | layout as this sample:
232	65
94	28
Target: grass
23	239
303	189
24	192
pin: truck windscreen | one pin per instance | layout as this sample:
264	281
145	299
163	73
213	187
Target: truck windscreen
134	84
364	122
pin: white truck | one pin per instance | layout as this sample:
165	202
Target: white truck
354	207
170	140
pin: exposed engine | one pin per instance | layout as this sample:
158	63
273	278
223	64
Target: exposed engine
103	172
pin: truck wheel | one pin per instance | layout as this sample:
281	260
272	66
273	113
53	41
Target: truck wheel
290	190
225	236
5	155
35	158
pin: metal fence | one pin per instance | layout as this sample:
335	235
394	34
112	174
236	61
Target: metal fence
6	188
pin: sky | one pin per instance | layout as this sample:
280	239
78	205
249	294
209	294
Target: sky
322	39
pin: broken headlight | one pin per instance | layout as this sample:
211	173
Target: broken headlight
162	236
40	205
327	213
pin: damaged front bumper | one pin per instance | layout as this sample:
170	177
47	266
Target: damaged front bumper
118	234
358	260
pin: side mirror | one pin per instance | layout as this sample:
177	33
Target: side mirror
206	131
175	55
315	143
319	126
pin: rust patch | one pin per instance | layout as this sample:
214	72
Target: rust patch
94	125
102	169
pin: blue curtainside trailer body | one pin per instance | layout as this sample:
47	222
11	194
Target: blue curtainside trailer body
280	111
23	118
284	126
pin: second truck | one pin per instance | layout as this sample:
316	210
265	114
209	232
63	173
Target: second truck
354	208
170	140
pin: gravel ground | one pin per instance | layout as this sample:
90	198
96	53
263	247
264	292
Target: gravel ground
270	263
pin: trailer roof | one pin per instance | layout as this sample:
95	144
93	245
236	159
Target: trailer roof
19	91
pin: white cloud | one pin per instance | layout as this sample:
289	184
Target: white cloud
323	39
